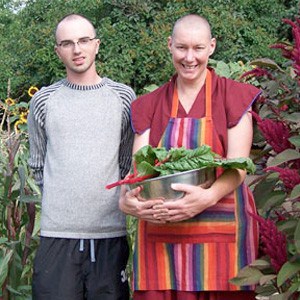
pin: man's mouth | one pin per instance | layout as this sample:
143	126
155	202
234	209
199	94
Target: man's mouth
78	60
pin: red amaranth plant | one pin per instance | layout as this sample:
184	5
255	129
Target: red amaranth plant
273	242
292	52
257	72
289	177
277	150
276	133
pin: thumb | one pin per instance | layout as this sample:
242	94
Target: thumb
181	187
134	192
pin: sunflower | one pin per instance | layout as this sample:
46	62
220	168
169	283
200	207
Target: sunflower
23	117
10	102
32	90
16	125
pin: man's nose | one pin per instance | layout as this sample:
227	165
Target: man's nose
76	47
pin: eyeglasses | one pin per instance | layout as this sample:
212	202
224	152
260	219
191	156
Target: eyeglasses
82	43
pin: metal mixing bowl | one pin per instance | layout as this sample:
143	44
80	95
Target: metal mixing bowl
160	187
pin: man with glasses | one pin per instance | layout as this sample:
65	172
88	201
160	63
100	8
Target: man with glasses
80	140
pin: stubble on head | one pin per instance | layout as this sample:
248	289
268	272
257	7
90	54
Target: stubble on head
192	21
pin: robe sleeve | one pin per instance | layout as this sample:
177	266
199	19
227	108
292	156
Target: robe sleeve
239	98
141	114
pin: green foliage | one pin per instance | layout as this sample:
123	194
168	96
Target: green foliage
133	34
277	187
134	51
131	224
18	195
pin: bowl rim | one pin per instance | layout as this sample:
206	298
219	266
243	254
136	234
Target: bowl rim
170	175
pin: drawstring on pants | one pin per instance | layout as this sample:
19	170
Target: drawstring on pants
92	248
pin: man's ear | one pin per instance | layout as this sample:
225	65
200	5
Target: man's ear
57	51
98	45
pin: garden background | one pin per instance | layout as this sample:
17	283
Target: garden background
134	51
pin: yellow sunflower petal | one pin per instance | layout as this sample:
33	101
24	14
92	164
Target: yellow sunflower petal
32	90
16	125
10	101
23	117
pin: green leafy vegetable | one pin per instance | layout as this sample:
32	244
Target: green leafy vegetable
160	162
151	162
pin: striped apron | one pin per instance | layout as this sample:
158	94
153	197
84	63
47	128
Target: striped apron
204	252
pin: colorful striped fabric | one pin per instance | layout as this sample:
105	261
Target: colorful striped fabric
174	134
202	253
198	266
216	224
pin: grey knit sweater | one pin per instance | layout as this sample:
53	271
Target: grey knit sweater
80	141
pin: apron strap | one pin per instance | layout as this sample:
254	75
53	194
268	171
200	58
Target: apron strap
208	89
175	102
208	111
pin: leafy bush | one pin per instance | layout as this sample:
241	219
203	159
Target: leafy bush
134	36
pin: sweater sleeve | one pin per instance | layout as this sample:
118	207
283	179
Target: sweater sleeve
127	135
37	131
126	95
37	136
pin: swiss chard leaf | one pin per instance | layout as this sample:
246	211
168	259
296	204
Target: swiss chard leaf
159	161
145	168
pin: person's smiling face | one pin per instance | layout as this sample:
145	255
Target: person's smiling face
191	46
76	45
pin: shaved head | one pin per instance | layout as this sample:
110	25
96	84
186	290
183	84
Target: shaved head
72	17
192	20
191	45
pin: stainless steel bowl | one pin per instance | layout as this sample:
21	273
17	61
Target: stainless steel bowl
160	187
